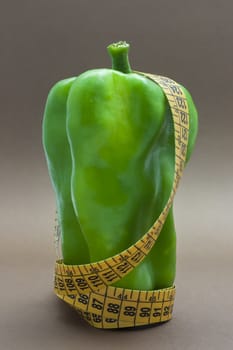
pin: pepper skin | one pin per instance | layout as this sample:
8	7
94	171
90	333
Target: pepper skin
109	142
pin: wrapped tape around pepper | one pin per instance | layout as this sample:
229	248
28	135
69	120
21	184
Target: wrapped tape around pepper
87	288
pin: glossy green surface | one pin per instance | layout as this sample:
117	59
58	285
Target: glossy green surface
109	143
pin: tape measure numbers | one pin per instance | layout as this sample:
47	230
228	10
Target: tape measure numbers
87	288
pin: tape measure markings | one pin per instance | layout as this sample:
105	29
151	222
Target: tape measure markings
88	288
161	311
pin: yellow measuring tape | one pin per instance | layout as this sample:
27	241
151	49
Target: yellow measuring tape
87	288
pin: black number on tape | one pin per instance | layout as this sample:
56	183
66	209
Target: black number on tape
130	311
184	133
97	304
184	117
145	312
113	308
110	320
61	284
183	148
176	89
82	284
83	299
109	275
95	280
166	310
149	244
96	318
137	256
157	312
124	267
181	102
69	284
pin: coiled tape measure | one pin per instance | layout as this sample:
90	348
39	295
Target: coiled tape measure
87	288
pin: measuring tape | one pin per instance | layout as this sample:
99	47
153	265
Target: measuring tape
87	288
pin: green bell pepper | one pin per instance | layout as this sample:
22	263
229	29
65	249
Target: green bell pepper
108	138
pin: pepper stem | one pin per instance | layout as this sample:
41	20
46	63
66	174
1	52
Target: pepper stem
119	55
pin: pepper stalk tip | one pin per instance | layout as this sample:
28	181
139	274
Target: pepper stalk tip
119	55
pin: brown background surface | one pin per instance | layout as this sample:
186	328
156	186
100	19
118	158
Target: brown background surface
45	41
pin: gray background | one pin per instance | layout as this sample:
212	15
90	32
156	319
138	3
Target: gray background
46	40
